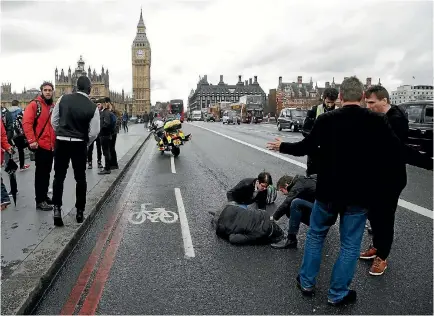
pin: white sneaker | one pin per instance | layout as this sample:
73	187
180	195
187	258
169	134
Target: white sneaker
50	190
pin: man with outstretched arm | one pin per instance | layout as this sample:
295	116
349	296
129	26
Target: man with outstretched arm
347	138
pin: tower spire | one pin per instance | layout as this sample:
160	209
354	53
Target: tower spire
141	28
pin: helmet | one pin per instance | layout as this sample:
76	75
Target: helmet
271	194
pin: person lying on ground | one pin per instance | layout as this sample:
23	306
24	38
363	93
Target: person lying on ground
256	189
300	196
242	226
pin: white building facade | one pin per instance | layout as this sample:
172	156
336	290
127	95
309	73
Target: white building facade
408	93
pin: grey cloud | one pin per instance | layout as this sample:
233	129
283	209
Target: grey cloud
19	40
199	4
10	6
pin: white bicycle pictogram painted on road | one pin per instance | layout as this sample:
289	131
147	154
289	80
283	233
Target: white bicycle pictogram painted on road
159	214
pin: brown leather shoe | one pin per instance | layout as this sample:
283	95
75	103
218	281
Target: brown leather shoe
369	254
378	266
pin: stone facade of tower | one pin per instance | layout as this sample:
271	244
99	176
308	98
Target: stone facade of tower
66	83
141	69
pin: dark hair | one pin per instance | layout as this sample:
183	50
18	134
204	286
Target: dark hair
284	181
379	91
107	100
331	93
15	102
84	84
265	177
351	90
46	83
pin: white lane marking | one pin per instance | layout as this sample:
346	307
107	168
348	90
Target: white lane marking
416	208
295	162
407	205
172	164
185	229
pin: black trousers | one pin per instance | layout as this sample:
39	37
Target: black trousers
125	126
43	166
98	151
382	219
113	155
105	146
75	152
21	143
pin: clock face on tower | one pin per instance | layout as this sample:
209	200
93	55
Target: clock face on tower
140	53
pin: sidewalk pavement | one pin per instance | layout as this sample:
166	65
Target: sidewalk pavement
30	245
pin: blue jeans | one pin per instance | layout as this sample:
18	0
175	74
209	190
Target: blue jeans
351	228
4	194
299	210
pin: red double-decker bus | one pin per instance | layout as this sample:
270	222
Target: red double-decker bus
176	107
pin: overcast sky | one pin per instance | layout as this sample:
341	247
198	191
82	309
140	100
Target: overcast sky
391	40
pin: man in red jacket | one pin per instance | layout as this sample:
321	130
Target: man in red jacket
5	146
41	138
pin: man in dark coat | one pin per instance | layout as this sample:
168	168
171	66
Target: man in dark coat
242	226
253	188
329	98
300	196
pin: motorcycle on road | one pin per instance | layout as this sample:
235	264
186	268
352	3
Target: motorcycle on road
171	138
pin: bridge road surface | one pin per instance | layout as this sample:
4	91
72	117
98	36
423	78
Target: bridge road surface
166	267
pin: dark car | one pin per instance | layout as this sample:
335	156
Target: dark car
291	118
210	118
420	121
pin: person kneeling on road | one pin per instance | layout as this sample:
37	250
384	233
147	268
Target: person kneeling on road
242	226
300	192
258	190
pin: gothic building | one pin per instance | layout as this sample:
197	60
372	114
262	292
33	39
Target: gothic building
66	83
141	70
206	93
24	97
304	94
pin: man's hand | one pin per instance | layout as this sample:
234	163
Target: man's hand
33	145
274	145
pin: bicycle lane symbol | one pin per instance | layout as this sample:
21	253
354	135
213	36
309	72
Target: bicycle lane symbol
158	214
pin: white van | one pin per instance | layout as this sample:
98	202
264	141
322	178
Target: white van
196	115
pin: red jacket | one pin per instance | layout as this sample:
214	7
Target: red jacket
48	137
4	141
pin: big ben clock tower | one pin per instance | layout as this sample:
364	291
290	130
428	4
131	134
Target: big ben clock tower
141	62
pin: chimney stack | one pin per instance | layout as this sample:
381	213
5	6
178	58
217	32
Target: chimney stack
256	79
327	84
221	78
299	79
250	81
239	78
368	81
280	80
246	82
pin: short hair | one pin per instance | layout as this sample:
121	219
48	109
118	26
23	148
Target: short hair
331	93
351	89
265	177
379	91
15	102
84	84
107	100
284	181
46	83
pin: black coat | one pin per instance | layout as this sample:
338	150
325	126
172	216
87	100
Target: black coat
355	145
245	226
300	188
105	123
244	193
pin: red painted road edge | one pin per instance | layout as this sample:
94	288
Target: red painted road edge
89	267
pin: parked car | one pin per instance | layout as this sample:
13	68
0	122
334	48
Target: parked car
291	118
231	117
210	118
420	120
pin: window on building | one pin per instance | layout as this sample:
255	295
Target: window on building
429	114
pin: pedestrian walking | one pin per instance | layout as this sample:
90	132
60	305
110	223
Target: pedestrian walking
76	122
146	119
357	135
116	120
5	147
329	98
20	141
41	138
125	122
96	143
105	134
